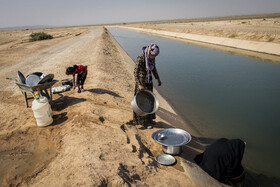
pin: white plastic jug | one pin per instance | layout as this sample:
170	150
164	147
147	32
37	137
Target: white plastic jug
42	111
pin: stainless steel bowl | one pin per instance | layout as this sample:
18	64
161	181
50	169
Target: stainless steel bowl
67	82
136	108
172	140
172	150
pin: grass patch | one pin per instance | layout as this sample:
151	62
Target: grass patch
270	39
40	36
233	35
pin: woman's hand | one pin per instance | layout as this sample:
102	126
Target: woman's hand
159	82
141	87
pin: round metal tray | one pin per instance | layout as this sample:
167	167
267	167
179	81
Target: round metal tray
32	80
172	137
165	159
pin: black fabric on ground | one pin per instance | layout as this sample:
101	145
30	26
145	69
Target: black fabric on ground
222	159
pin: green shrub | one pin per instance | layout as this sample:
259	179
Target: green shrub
40	36
233	35
270	39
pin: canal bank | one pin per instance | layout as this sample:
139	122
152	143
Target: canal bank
167	117
262	50
211	84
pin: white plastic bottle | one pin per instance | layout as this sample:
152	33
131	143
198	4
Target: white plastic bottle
42	111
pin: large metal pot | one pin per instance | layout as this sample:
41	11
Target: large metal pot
172	150
137	109
67	82
171	139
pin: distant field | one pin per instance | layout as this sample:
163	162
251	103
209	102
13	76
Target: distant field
264	28
240	17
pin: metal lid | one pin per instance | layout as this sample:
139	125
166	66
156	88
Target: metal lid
32	80
171	137
165	159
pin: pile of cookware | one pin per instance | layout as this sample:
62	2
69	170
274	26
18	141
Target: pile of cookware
34	78
172	140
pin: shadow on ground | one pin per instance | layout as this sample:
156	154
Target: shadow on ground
103	91
64	102
59	118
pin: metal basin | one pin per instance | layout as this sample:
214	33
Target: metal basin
144	103
67	82
32	80
172	139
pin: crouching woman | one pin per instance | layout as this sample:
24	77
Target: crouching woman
81	72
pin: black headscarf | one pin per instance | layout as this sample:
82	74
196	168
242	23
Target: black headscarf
222	159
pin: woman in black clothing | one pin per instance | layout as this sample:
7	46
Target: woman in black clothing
222	160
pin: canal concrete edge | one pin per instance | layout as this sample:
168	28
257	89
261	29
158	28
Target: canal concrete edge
261	47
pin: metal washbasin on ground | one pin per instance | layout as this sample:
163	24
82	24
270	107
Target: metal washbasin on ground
171	139
42	89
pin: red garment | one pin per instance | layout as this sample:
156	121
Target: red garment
80	69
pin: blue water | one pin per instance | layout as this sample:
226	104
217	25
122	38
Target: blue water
220	94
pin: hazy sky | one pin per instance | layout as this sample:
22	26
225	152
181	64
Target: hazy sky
88	12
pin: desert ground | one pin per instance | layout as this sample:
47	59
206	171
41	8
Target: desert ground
263	29
92	141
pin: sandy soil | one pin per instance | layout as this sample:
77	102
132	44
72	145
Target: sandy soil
261	29
91	141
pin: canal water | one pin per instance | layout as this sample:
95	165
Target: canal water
220	94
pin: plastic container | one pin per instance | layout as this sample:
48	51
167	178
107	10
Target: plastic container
42	111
